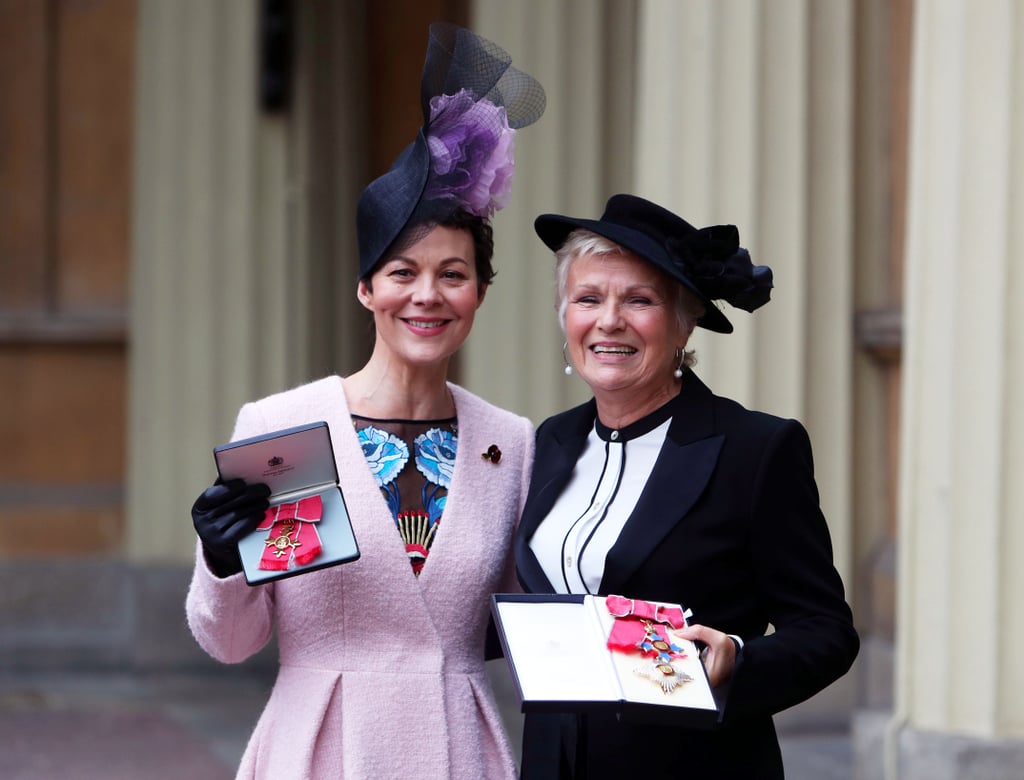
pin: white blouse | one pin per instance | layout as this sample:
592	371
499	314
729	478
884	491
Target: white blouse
571	543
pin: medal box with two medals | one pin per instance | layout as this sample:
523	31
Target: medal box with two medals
574	653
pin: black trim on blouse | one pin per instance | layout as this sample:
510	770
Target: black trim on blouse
636	429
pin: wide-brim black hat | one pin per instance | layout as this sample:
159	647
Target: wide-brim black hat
472	100
709	262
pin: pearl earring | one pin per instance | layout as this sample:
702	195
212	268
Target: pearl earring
568	368
681	357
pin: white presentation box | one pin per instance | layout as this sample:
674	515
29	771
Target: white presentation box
295	463
556	648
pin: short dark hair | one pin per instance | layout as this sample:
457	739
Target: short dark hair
483	243
479	229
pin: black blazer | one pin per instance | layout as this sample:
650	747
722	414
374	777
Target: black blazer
729	526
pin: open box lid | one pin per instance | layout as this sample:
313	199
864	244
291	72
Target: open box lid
291	462
297	464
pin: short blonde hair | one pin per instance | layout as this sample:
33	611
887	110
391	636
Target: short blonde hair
688	308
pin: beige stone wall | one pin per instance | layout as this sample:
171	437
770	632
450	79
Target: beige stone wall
960	581
237	262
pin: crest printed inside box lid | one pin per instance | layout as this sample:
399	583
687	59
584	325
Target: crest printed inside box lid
292	462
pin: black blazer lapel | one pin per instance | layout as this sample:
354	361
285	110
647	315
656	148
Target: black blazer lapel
560	440
682	471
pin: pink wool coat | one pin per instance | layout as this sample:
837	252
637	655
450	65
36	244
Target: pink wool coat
381	673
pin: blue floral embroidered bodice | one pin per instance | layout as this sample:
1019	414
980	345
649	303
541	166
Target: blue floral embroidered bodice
415	488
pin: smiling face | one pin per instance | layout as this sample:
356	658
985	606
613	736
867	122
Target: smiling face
424	298
622	329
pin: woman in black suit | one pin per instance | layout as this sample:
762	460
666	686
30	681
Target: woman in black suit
658	489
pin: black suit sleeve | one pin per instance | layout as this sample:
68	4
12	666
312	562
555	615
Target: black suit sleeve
814	641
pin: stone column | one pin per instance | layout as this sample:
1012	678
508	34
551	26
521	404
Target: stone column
959	712
227	273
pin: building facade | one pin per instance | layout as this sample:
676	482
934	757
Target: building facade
177	235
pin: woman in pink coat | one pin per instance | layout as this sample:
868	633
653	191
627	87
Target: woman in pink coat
382	659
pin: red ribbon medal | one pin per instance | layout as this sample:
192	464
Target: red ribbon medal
292	533
621	607
640	627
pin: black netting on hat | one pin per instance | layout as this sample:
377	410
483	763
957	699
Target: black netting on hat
472	100
459	59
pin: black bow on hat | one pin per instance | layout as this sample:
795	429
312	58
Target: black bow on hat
709	261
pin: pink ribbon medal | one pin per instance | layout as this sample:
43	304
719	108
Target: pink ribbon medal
641	627
292	533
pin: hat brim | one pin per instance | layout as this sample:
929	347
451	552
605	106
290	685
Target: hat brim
554	229
388	202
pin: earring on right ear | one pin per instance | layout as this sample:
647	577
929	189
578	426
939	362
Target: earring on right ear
568	367
681	357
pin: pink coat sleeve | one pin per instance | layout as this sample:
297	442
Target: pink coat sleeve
228	618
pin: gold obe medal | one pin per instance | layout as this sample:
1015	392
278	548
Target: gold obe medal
282	544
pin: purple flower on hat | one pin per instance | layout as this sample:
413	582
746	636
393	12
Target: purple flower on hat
471	160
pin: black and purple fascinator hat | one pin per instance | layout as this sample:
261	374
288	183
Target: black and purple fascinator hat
473	101
709	262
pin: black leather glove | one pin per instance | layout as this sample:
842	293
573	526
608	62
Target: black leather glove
222	515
